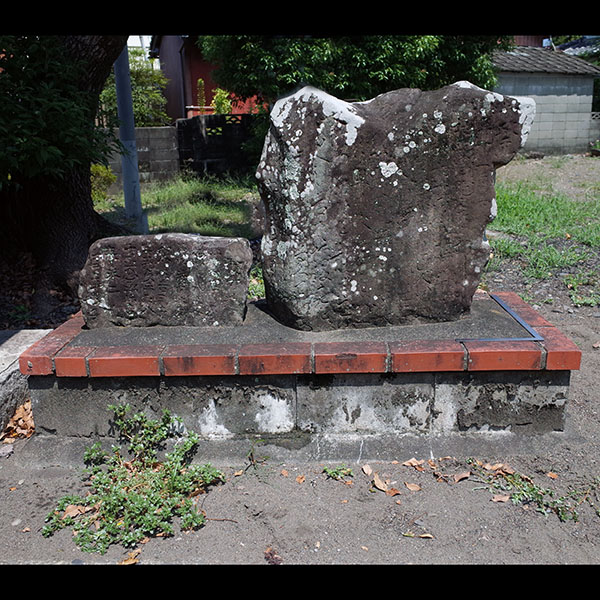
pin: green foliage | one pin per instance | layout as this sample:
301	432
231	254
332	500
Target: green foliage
221	102
338	473
259	127
256	287
546	233
201	93
147	92
101	178
135	498
46	121
349	67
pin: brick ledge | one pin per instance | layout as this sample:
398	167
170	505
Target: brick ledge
52	355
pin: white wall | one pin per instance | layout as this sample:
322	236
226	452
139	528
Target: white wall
563	122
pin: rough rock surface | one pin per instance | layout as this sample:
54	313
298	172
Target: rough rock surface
166	279
376	211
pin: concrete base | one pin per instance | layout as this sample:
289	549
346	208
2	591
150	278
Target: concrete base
221	408
312	396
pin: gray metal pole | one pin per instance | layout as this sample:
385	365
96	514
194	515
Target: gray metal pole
129	160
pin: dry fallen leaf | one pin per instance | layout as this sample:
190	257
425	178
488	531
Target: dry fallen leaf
301	478
131	558
21	424
413	462
72	510
238	473
413	487
378	483
552	475
392	492
284	473
272	557
499	468
596	345
494	467
460	476
426	536
499	498
367	470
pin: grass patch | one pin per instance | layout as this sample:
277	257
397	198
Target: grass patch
207	206
539	256
544	259
546	232
256	286
526	213
210	205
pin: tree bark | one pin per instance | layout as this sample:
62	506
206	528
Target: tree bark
53	218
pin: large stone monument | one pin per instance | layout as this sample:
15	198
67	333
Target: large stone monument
376	211
171	279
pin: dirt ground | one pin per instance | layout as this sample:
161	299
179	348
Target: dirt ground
435	512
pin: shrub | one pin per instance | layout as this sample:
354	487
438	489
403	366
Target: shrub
102	178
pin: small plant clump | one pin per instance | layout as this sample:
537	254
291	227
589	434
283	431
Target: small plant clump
522	490
135	498
582	288
339	473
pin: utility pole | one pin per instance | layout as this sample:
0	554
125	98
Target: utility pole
129	160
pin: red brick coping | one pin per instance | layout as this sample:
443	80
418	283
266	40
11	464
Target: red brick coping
551	350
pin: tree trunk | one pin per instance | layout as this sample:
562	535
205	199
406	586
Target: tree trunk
53	218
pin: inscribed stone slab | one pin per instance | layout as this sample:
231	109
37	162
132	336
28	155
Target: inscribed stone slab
171	279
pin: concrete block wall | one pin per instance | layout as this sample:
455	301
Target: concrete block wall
595	127
158	155
563	122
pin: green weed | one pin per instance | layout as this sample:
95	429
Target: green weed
522	490
339	473
583	289
256	288
138	497
506	248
